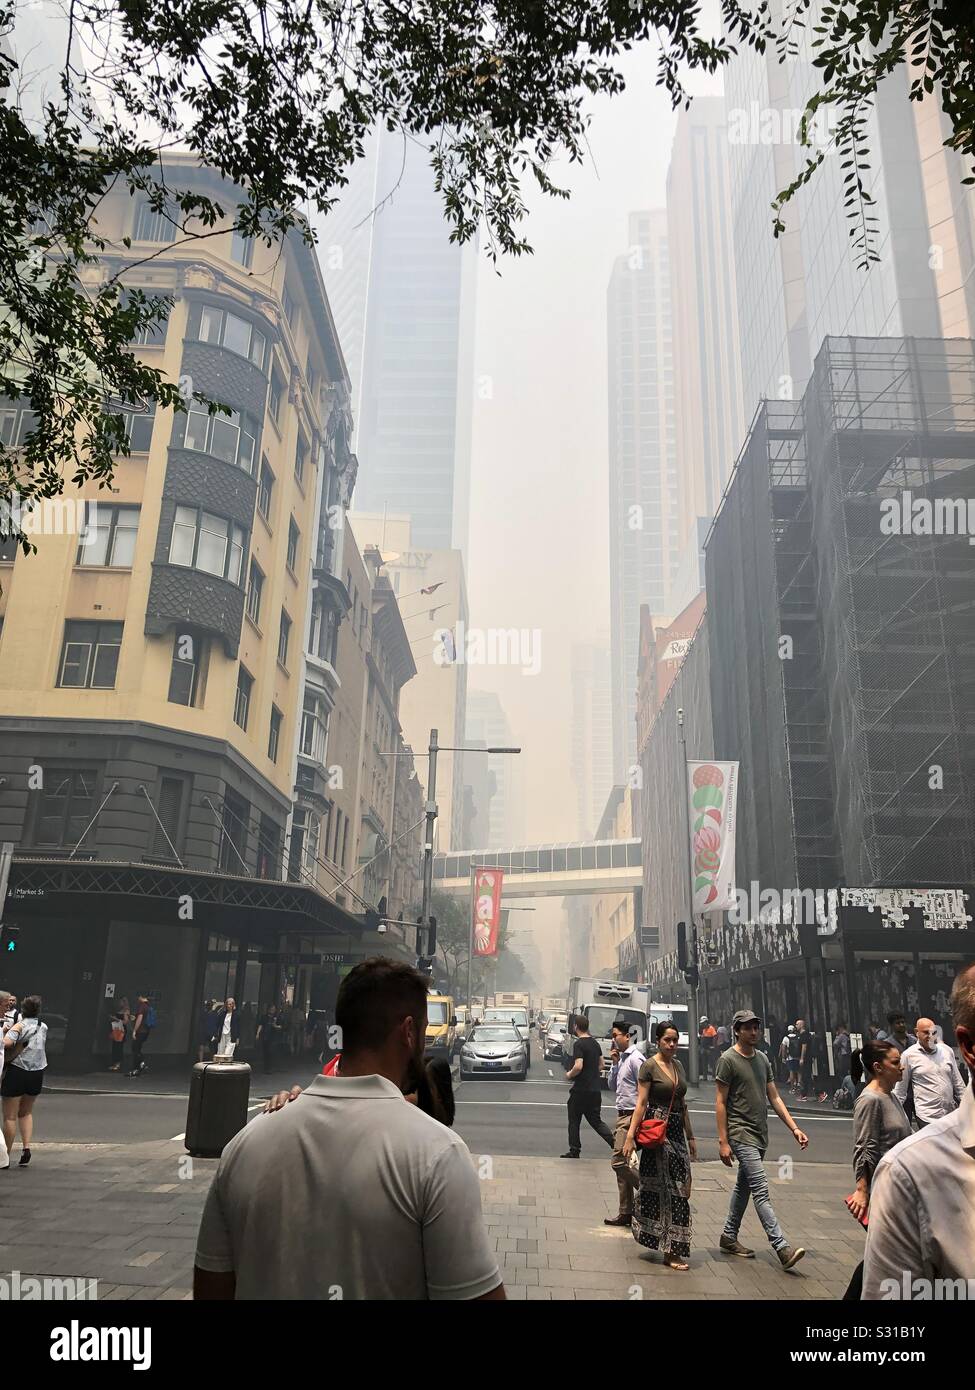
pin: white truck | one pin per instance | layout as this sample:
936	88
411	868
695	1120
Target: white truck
605	1002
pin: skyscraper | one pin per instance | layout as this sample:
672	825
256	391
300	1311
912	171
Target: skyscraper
707	401
487	724
403	297
644	531
592	733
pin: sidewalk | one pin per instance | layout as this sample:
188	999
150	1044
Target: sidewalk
128	1217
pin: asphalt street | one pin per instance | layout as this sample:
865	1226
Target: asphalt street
494	1116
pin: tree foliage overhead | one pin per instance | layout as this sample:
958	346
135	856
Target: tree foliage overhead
279	97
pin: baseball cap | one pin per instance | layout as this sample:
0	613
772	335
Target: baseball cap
745	1016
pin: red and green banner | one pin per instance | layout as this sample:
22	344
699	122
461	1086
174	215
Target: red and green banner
487	910
712	795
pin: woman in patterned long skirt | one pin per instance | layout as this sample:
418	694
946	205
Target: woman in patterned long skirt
662	1210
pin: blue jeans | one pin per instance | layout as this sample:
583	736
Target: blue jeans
752	1182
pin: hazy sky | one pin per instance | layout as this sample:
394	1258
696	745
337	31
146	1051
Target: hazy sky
539	555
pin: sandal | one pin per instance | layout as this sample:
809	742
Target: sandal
676	1262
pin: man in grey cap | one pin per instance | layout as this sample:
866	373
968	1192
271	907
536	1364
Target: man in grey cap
745	1087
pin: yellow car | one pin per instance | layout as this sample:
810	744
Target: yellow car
441	1026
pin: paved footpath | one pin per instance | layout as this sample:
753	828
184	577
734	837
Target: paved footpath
128	1216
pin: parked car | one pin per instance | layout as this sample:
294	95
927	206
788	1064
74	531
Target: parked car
554	1038
497	1049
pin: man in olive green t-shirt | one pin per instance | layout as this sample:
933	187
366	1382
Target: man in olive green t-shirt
744	1089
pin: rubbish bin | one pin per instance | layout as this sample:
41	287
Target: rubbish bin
219	1092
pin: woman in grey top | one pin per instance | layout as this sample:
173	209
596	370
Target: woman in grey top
25	1055
879	1122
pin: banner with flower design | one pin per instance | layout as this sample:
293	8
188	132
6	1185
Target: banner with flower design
712	796
487	910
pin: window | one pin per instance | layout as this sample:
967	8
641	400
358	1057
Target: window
151	225
291	310
109	536
153	333
306	829
137	426
294	535
345	841
242	249
314	727
168	806
255	587
188	669
265	489
236	334
274	735
284	637
224	436
268	848
233	837
8	551
274	396
242	699
202	541
89	659
301	458
65	807
16	422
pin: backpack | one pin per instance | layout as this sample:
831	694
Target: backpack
150	1018
842	1100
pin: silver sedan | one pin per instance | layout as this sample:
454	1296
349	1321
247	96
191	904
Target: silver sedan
495	1049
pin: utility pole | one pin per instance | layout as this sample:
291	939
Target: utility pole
431	812
693	1040
470	949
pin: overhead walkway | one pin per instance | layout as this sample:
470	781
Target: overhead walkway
544	871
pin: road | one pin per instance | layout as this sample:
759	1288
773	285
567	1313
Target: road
493	1116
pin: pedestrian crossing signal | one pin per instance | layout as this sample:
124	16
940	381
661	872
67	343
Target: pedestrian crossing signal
9	935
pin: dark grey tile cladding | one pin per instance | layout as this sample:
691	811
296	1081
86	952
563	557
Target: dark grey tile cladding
178	595
226	377
126	828
203	481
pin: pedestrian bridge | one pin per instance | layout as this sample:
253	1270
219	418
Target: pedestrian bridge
542	871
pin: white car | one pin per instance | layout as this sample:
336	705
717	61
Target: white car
552	1043
495	1049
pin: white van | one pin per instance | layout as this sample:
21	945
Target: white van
605	1002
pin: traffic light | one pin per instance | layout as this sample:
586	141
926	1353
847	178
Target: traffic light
425	965
8	939
682	958
419	936
693	976
432	941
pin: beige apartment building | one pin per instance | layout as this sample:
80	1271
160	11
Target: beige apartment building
151	677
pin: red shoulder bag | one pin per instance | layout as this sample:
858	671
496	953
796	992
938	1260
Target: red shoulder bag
652	1133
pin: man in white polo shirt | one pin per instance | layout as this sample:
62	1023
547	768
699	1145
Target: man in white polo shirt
351	1192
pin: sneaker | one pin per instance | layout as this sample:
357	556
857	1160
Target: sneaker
735	1247
790	1257
570	1154
24	1159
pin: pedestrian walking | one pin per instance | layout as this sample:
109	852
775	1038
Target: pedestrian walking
783	1056
879	1122
662	1212
897	1031
721	1040
584	1100
24	1045
795	1049
116	1033
289	1216
808	1050
922	1199
145	1022
626	1060
842	1052
707	1033
268	1033
205	1027
226	1028
931	1082
745	1089
7	1005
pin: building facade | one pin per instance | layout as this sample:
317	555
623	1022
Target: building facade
644	525
152	671
592	733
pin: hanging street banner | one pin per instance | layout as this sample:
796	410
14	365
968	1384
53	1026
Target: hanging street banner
487	910
712	795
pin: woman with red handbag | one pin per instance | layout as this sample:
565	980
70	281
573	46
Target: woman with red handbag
661	1129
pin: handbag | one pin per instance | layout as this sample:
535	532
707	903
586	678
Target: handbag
652	1133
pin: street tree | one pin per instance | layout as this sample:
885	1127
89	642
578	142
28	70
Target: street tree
279	97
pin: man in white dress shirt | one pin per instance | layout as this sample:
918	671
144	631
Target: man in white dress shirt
931	1075
922	1198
